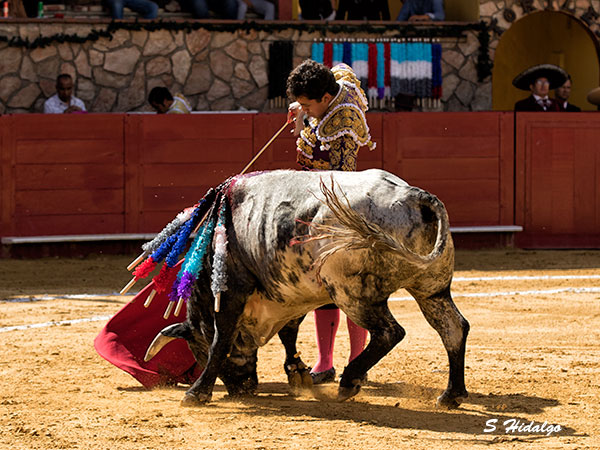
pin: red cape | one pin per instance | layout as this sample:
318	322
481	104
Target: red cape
125	338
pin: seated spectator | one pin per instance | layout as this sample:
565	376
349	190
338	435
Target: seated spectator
562	94
539	80
63	101
263	7
422	11
316	10
363	10
145	8
164	103
225	9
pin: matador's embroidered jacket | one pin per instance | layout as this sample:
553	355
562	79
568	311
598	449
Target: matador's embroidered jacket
332	142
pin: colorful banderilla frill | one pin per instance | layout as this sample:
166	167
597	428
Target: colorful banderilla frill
171	242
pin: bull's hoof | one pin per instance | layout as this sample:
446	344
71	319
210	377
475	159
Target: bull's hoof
195	400
450	400
344	393
295	382
307	381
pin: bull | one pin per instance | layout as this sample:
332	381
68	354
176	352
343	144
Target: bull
296	244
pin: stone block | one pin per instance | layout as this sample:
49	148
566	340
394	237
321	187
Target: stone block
28	70
197	41
454	58
221	39
258	69
65	51
157	66
47	68
221	65
223	104
255	48
255	100
104	101
122	61
159	42
108	79
482	100
134	96
238	49
48	87
70	69
139	38
449	84
218	89
96	58
8	86
181	62
25	97
241	88
82	65
469	71
10	60
199	80
464	93
241	72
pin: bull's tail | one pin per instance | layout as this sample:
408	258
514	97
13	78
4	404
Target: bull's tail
352	231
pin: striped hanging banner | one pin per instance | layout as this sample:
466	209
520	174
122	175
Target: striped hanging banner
436	69
347	58
387	79
337	54
360	64
317	52
372	92
328	54
380	70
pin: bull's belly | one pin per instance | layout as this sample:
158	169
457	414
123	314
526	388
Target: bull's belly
263	318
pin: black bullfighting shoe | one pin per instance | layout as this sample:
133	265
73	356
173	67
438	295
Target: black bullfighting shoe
327	376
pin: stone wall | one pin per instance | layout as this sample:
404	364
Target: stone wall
214	70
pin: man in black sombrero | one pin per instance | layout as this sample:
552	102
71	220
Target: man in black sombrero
539	80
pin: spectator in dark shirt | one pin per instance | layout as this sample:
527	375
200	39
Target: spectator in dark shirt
422	11
562	94
145	8
539	80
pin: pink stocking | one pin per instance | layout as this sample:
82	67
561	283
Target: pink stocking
326	323
358	337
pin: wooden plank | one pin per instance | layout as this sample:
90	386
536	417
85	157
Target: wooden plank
172	200
7	176
166	176
197	126
133	182
561	190
61	202
586	184
452	168
90	151
196	151
507	168
48	127
68	176
465	146
539	179
448	124
47	225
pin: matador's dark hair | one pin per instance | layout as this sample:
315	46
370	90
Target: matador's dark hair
311	80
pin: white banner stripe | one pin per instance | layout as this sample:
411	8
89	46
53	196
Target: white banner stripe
530	277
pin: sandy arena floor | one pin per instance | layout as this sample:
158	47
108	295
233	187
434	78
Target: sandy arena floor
533	354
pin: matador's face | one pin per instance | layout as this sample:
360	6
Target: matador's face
315	108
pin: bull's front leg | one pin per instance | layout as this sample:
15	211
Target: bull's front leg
297	371
225	331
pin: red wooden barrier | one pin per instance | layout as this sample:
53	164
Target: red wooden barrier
62	175
465	159
558	179
102	174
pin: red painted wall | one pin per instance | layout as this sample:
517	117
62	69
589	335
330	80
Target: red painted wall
116	173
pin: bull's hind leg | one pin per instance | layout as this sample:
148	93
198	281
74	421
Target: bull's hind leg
443	315
297	372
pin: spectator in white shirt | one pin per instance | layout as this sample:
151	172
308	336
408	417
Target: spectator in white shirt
63	101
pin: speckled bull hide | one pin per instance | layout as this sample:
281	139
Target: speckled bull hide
299	240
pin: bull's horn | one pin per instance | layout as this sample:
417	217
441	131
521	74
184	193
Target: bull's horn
156	346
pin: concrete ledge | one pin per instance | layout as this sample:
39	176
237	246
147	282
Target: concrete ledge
9	240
